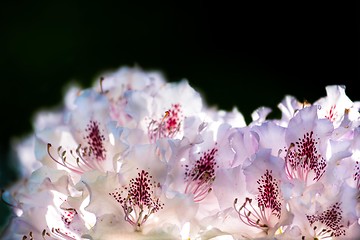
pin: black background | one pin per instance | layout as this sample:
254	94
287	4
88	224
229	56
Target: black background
246	55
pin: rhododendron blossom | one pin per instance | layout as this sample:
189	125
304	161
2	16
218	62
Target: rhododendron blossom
136	157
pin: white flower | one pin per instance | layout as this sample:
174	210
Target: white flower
193	167
135	157
162	115
89	141
42	208
234	118
115	85
266	210
328	214
289	106
307	140
334	105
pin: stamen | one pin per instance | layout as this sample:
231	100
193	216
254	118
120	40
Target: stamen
332	114
330	220
200	177
83	158
268	196
64	163
138	199
30	235
302	157
168	126
95	140
357	174
269	204
45	233
63	234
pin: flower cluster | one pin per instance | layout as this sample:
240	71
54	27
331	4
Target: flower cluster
136	157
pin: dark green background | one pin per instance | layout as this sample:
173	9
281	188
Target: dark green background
245	55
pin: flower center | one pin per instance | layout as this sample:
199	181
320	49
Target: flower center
68	216
303	157
332	114
168	126
83	159
328	224
95	140
138	199
58	232
269	205
268	196
200	177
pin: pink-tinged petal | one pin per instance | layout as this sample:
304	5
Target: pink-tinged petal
226	222
215	234
101	202
139	199
306	120
256	166
134	136
181	92
145	157
146	211
140	169
193	167
138	104
90	105
162	115
234	118
339	150
223	141
40	200
193	127
339	164
88	123
288	106
290	233
334	104
307	143
270	136
230	184
245	143
115	86
328	213
26	227
171	218
259	115
60	135
345	170
348	125
354	163
96	146
97	138
109	227
264	178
